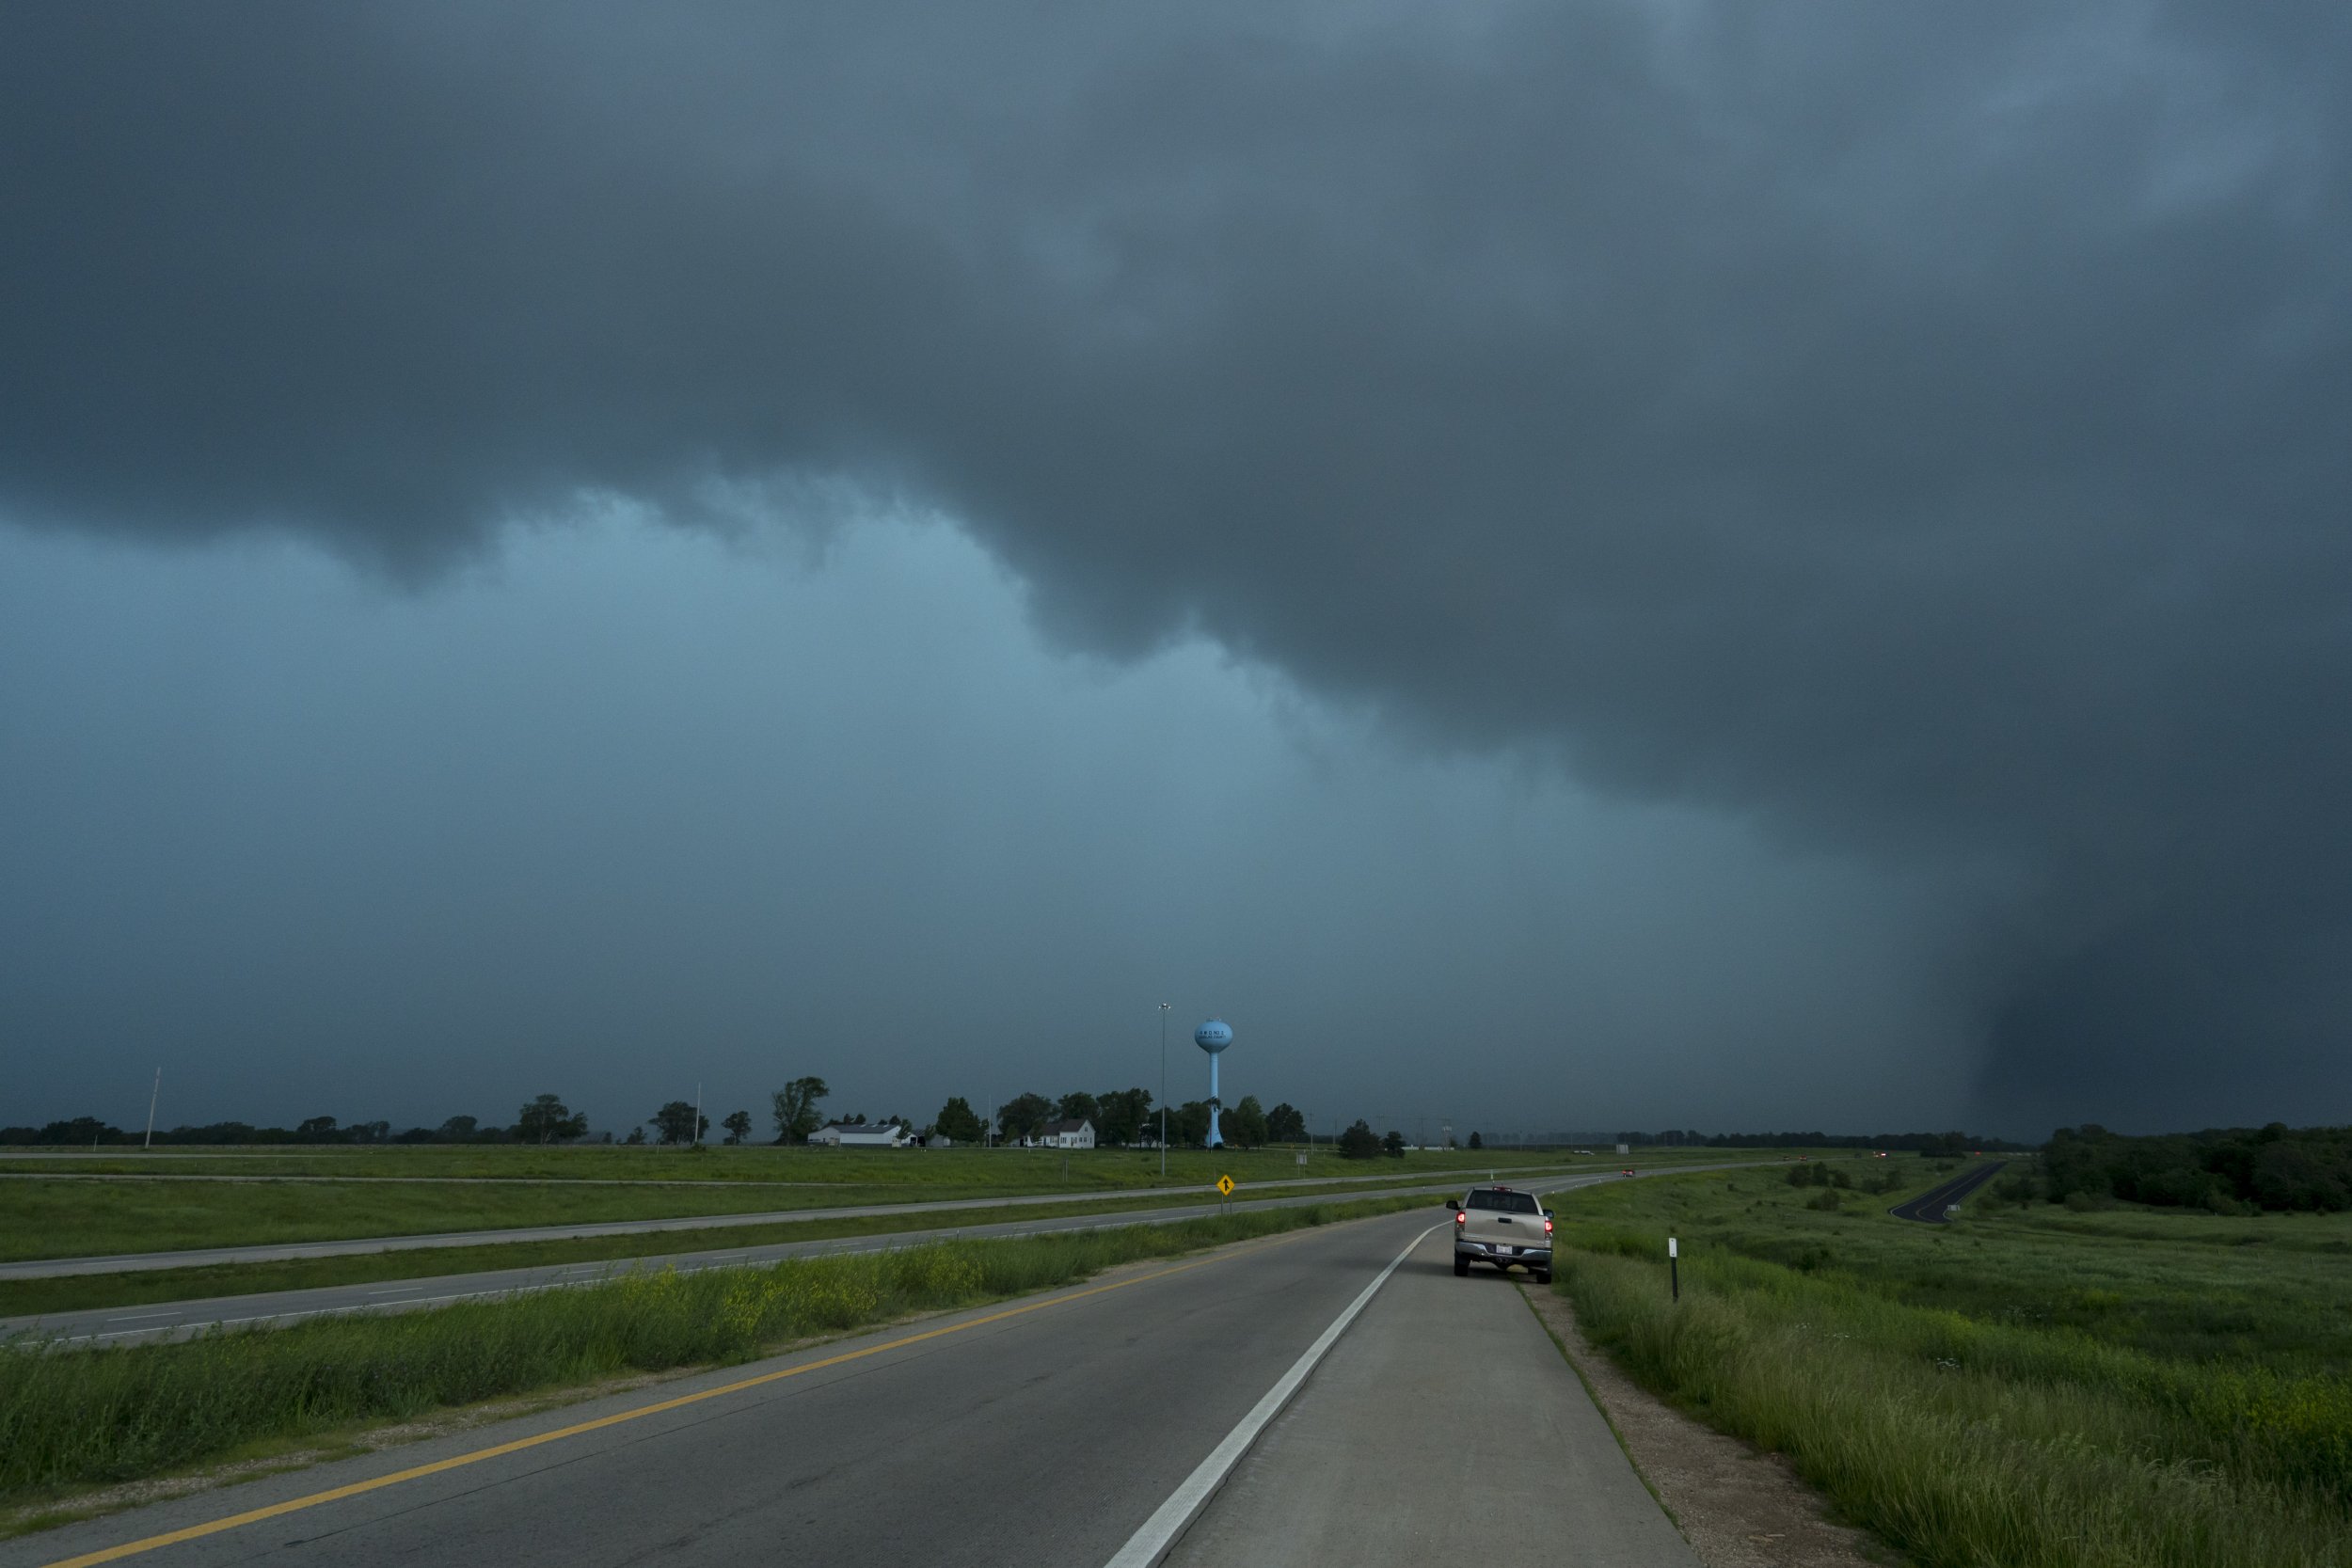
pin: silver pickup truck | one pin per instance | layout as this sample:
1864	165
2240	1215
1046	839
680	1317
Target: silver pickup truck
1504	1227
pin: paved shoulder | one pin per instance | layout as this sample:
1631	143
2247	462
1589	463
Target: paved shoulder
1445	1422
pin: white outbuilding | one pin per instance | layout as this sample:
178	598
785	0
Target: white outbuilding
860	1135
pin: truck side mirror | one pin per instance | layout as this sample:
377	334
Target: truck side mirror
1454	1203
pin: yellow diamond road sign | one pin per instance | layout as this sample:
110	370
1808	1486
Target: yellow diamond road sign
1225	1185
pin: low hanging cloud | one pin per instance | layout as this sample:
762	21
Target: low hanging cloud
1920	435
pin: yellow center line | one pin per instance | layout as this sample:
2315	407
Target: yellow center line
337	1493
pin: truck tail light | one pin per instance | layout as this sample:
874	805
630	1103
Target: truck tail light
1460	1218
1547	1226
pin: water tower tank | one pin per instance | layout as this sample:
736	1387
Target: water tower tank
1214	1035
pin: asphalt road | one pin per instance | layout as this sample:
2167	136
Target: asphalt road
271	1252
179	1320
1089	1427
1928	1207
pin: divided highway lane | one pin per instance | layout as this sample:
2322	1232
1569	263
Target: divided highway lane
1928	1207
1046	1431
275	1252
180	1319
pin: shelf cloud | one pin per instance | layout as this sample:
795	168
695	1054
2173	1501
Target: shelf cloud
1918	435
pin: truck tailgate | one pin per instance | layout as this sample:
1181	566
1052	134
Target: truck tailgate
1509	1229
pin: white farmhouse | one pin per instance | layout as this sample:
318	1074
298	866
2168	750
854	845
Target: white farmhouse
861	1134
1066	1134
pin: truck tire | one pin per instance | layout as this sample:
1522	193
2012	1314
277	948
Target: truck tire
1461	1270
1543	1276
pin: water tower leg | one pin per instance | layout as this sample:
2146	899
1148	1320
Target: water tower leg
1215	1137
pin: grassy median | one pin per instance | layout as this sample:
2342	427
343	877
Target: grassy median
2024	1388
72	1418
25	1298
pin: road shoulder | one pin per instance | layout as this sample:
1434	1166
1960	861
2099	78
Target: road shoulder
1441	1424
1737	1506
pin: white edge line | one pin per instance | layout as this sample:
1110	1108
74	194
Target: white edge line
1159	1532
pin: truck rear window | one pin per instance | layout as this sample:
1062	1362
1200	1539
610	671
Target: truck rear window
1510	1203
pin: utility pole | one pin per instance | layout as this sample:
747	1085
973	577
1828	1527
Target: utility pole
1164	1091
154	1094
698	1114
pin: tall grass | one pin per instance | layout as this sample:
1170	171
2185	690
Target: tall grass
73	1418
1967	1443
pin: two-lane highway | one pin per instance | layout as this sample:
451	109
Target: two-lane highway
177	1320
1048	1431
1934	1206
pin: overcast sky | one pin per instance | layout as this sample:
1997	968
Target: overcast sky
1566	567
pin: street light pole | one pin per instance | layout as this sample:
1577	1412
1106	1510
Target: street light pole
1164	1091
153	1096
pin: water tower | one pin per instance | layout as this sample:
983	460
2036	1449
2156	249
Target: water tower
1212	1037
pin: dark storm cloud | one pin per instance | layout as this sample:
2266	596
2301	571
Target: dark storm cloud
1919	432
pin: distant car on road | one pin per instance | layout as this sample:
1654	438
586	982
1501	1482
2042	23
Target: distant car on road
1629	1170
1504	1227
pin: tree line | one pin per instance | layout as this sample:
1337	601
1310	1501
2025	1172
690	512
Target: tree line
544	1120
1124	1117
2234	1170
1938	1145
1120	1117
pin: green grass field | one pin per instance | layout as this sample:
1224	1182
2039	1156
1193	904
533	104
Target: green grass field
46	1217
72	1419
2123	1389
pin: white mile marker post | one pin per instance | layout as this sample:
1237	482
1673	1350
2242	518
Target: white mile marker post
1673	1269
